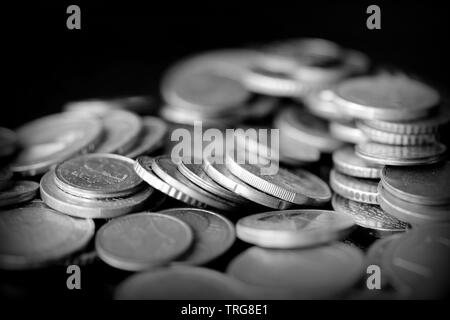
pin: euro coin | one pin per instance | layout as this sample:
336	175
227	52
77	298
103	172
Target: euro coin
357	189
347	162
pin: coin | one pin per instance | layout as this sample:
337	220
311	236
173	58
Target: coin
312	273
152	137
293	228
321	104
106	208
424	185
347	162
35	236
220	174
122	129
181	283
213	234
141	241
8	142
357	189
384	154
19	192
347	132
5	178
391	98
368	215
50	140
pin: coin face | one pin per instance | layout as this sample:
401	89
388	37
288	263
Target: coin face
19	192
357	189
152	137
34	236
213	234
346	161
98	176
308	273
423	185
293	228
143	240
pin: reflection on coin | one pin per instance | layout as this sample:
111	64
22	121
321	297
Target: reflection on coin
151	138
34	236
368	215
180	283
8	142
19	192
106	208
357	189
213	234
53	139
122	129
99	175
346	161
306	274
347	132
384	154
143	240
293	228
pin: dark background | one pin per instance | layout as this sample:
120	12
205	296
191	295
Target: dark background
122	48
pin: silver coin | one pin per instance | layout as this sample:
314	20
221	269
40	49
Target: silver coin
142	240
32	237
347	132
297	151
99	175
213	234
346	161
321	104
152	137
293	228
384	154
75	206
19	192
357	189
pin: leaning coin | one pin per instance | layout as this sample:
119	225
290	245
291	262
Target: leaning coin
301	187
384	154
357	189
368	215
98	176
213	234
346	161
19	192
320	272
8	143
152	137
106	208
293	228
50	140
141	241
35	236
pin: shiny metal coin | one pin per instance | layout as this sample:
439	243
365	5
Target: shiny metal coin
347	162
151	138
301	187
213	234
50	140
424	185
293	228
347	132
98	176
8	142
368	215
313	273
75	206
19	192
141	241
384	154
357	189
32	237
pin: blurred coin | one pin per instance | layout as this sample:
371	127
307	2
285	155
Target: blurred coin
321	103
213	234
151	138
122	129
313	273
293	228
357	189
384	154
5	178
295	150
346	161
425	185
50	140
385	97
143	240
368	215
182	283
98	176
106	208
301	187
347	132
8	142
138	104
34	236
19	192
